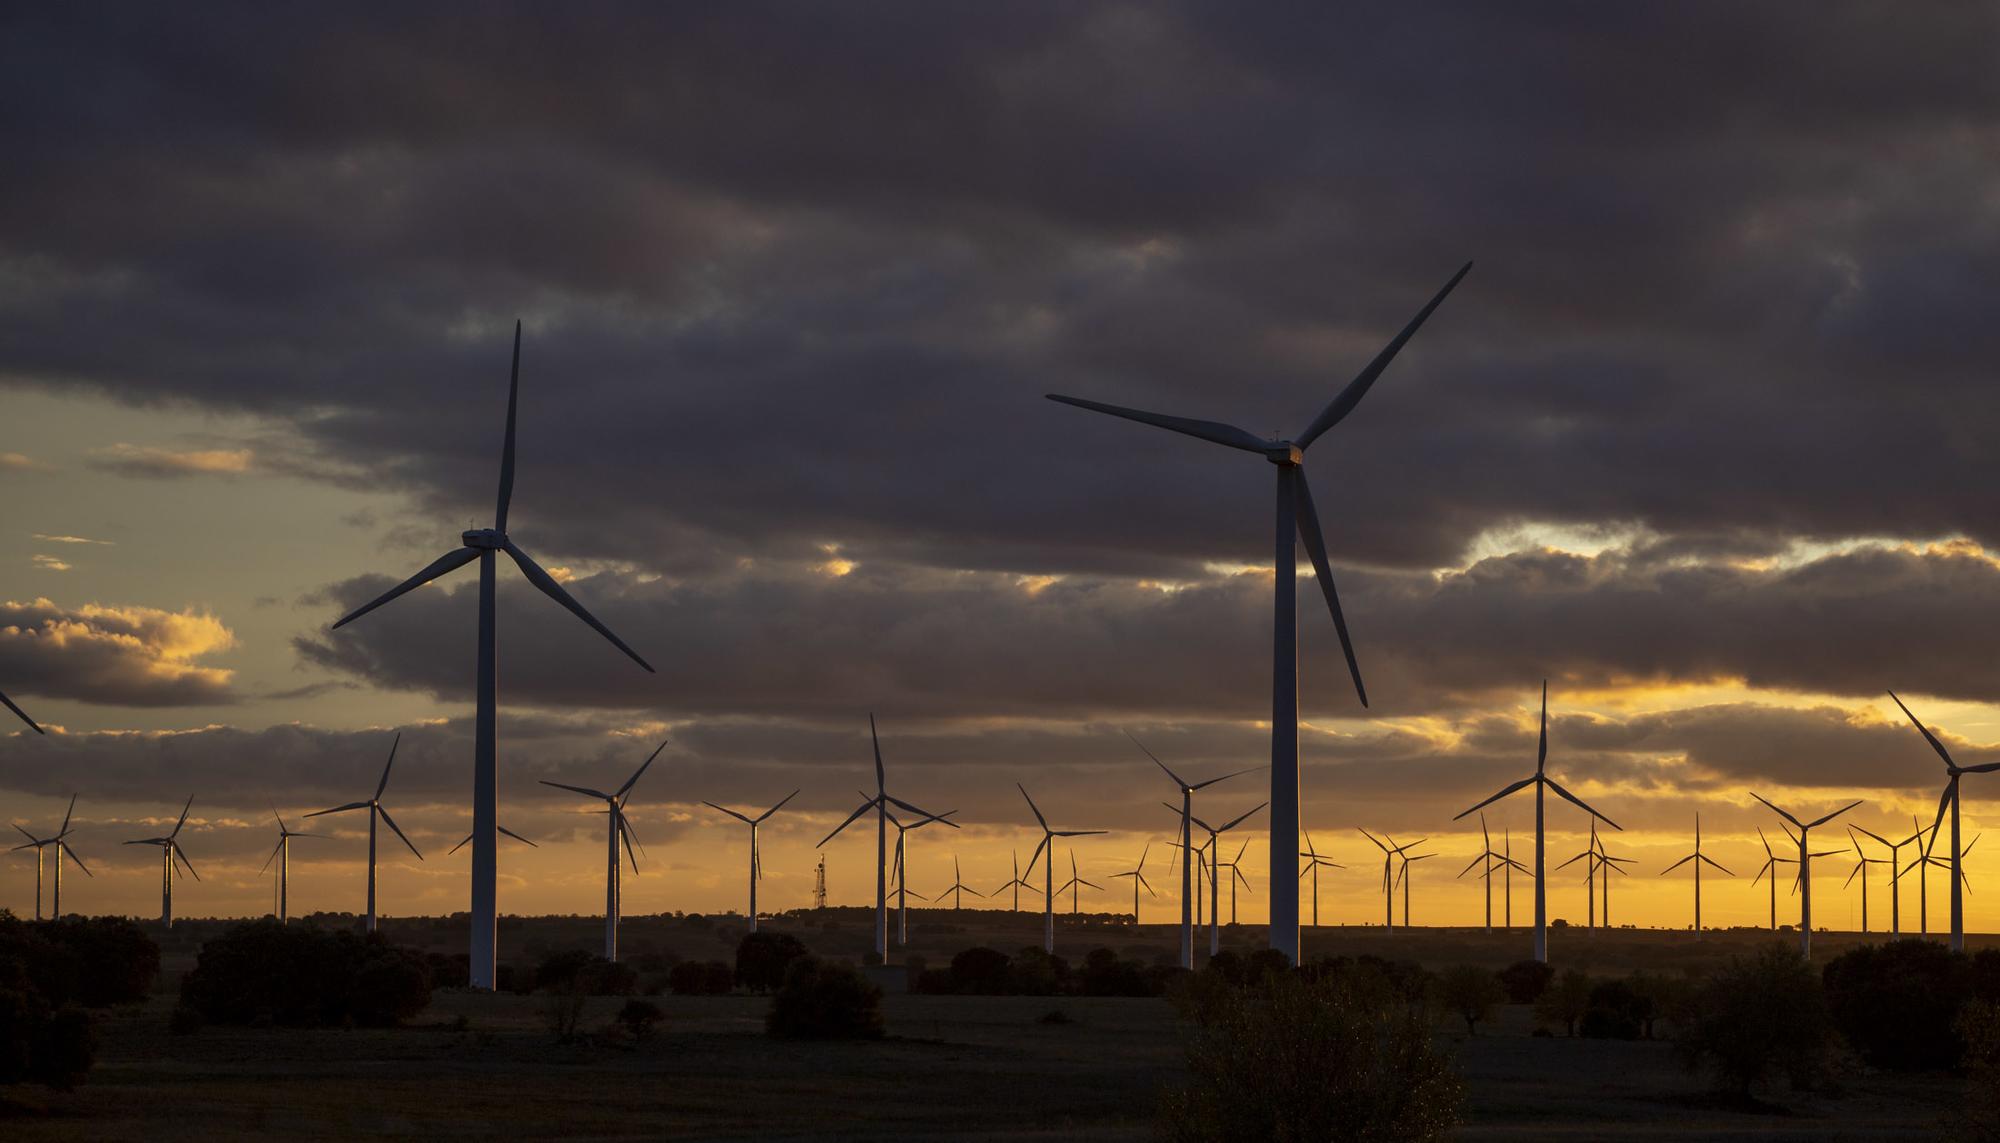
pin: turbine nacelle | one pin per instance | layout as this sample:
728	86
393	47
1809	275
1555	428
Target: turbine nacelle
1285	453
485	539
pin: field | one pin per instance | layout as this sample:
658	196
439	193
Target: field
952	1068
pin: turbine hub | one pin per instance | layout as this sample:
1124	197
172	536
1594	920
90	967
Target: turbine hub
485	539
1285	453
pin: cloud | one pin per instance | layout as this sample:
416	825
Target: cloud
150	461
21	462
116	655
72	540
49	563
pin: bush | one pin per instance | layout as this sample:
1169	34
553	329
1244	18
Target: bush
1326	1056
296	976
1665	997
1979	1027
1615	1011
701	978
761	959
37	1045
980	972
1037	973
1471	992
640	1018
1757	1016
1526	980
825	1000
94	962
1563	1003
1898	1003
1104	974
562	1010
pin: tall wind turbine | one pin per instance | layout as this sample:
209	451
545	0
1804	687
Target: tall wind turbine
1297	521
1805	864
1609	864
170	852
23	715
1138	875
1215	874
1390	852
901	872
1542	782
1895	849
1590	867
1492	861
1861	863
282	854
1922	866
1016	884
57	839
1699	859
484	545
375	810
1403	878
617	829
1949	798
880	803
958	888
1235	877
1190	892
1048	870
1075	885
756	862
1314	862
1770	866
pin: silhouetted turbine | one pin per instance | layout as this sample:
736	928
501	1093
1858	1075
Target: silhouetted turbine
880	803
1492	862
1895	849
1314	862
1699	859
1048	871
1805	864
618	829
1950	799
1390	852
282	854
23	716
375	809
756	859
1190	893
170	852
1138	875
57	839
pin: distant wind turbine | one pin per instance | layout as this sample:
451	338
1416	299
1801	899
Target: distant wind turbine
1404	878
1138	875
1215	873
1314	863
958	888
1075	884
484	544
1861	863
375	810
1016	884
1390	852
1699	859
1922	867
282	854
756	860
1236	878
1490	861
1608	864
59	840
23	715
1048	870
1895	849
617	829
1805	864
1770	866
1949	799
880	803
170	852
901	873
1190	892
1297	520
1542	782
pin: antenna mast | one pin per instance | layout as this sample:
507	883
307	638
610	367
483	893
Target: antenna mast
819	885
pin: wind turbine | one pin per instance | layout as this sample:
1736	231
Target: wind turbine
1016	884
1048	870
1314	862
1805	865
1590	866
1922	867
23	715
1215	874
57	839
1699	859
1895	849
375	810
1235	878
170	852
1404	878
1190	893
1541	782
958	888
282	854
1492	862
1138	876
1297	520
1770	866
756	861
880	803
1949	798
1075	884
484	545
1609	864
1861	863
901	875
1390	852
618	828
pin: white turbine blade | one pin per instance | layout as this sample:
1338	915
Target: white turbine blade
1926	732
634	779
274	856
730	812
21	714
67	814
507	447
584	790
450	561
1214	432
1307	518
384	783
549	587
779	806
63	847
1482	805
1043	844
1818	822
182	858
1349	397
398	830
1579	803
175	832
340	809
863	808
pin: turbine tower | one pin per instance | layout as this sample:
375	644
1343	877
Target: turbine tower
1016	884
1314	862
880	803
1190	892
1235	877
958	888
1861	863
1770	866
1075	884
1493	861
484	545
1404	878
170	852
1699	859
1048	870
618	828
1542	782
1138	875
282	854
376	810
1805	864
1297	520
23	716
1949	798
1895	849
756	861
57	839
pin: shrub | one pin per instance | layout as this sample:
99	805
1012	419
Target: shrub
562	1010
388	990
37	1045
1564	1001
1336	1055
110	960
1759	1015
1979	1027
298	976
1526	980
1036	973
1615	1011
1666	997
1471	992
701	978
640	1018
1898	1003
761	959
980	972
825	1000
1104	974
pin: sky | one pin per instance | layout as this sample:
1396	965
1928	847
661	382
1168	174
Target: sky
1701	440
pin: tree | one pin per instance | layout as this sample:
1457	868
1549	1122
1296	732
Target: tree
1615	1011
1564	1001
1758	1016
1526	980
1471	992
1898	1003
825	1000
762	957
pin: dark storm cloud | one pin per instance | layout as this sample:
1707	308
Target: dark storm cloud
798	276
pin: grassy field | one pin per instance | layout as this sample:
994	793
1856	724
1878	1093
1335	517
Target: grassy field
981	1068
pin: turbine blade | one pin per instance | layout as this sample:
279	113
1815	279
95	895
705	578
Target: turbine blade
507	447
1482	805
21	714
1213	431
1038	813
449	562
274	856
459	846
1817	822
881	781
512	834
384	783
1677	865
554	590
625	835
1043	844
64	847
730	812
1349	397
1232	825
633	780
182	858
1779	812
1178	782
339	809
399	832
779	806
1542	750
1710	861
1926	732
69	813
1308	525
184	817
858	811
599	794
1226	777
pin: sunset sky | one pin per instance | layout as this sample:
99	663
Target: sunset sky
1705	439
